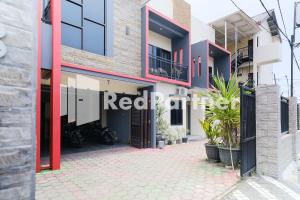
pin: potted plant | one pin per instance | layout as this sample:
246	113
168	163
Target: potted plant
171	136
184	135
212	133
224	107
162	125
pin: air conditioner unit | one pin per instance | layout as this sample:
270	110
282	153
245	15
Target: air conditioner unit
181	91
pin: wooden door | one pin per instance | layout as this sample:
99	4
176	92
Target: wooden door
141	126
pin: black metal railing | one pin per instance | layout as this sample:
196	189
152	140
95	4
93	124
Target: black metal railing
244	54
284	115
166	68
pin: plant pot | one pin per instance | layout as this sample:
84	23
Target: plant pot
161	144
212	152
225	156
179	141
184	140
170	142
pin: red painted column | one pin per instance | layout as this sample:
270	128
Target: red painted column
38	91
55	84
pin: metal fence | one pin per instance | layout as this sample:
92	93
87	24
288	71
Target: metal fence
284	115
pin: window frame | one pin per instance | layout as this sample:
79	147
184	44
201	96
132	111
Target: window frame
177	113
82	28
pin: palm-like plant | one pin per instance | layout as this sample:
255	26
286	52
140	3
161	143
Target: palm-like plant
224	107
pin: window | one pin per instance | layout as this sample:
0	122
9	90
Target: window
46	12
176	112
199	66
84	25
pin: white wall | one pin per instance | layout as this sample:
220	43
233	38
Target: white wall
160	41
197	114
163	6
166	90
201	31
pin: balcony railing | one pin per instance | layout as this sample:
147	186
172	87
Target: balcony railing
244	54
168	69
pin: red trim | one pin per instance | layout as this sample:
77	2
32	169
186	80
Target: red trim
55	84
173	21
158	78
38	89
181	56
75	66
175	57
207	70
226	51
199	66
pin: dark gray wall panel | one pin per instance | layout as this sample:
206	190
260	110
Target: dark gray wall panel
119	121
71	36
93	38
94	10
200	49
46	46
71	13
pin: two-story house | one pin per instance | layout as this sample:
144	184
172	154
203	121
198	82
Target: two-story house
88	49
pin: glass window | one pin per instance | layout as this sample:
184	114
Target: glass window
176	112
84	25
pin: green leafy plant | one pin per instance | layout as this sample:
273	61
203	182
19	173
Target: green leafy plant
212	131
224	107
162	124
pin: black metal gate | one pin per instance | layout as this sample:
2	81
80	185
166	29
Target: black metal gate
248	131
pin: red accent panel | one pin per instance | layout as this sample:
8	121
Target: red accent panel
75	66
55	84
199	67
38	90
181	56
175	57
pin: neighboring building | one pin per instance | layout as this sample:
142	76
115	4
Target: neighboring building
255	45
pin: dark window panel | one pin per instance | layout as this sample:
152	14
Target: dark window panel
71	36
71	13
95	10
93	37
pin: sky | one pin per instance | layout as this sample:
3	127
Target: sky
210	10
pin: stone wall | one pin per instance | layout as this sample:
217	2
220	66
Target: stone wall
17	99
182	12
275	151
126	57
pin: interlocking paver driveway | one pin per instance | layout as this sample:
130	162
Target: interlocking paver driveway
176	172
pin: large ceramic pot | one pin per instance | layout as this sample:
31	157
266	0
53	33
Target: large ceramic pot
212	152
225	156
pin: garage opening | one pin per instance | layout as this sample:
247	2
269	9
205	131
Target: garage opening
88	123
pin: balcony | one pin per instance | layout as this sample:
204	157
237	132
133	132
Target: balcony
166	50
166	68
243	55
